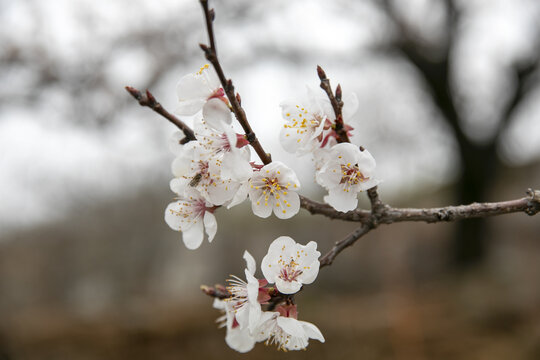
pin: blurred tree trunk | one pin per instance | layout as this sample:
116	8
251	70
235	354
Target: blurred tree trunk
480	163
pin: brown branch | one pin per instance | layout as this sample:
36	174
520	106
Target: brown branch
148	100
383	214
337	105
387	214
211	55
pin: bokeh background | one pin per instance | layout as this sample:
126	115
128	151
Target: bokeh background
449	106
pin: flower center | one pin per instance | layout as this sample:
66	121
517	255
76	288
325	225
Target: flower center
351	175
288	271
190	210
271	185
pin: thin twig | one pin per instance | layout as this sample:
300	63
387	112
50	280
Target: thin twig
211	55
329	257
337	105
148	100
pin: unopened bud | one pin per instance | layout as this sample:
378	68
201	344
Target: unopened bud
321	73
239	99
338	93
150	97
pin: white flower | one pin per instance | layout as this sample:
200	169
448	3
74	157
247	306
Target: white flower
238	338
191	215
304	124
287	333
195	91
194	168
310	124
245	295
289	264
274	188
227	147
346	172
242	309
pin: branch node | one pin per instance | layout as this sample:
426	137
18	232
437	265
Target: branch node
533	203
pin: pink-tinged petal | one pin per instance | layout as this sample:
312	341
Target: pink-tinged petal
260	207
210	225
289	205
217	114
312	331
193	236
251	266
287	287
341	200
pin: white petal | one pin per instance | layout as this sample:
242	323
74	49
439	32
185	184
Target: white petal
260	207
366	162
193	86
193	236
291	326
189	107
210	225
266	325
312	331
287	287
219	304
368	184
217	114
235	167
251	266
171	218
350	106
240	340
240	195
182	165
341	200
174	143
289	209
222	192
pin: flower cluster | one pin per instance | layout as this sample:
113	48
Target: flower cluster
215	170
288	266
342	168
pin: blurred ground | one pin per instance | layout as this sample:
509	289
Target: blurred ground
113	282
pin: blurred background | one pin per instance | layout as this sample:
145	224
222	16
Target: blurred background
449	106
